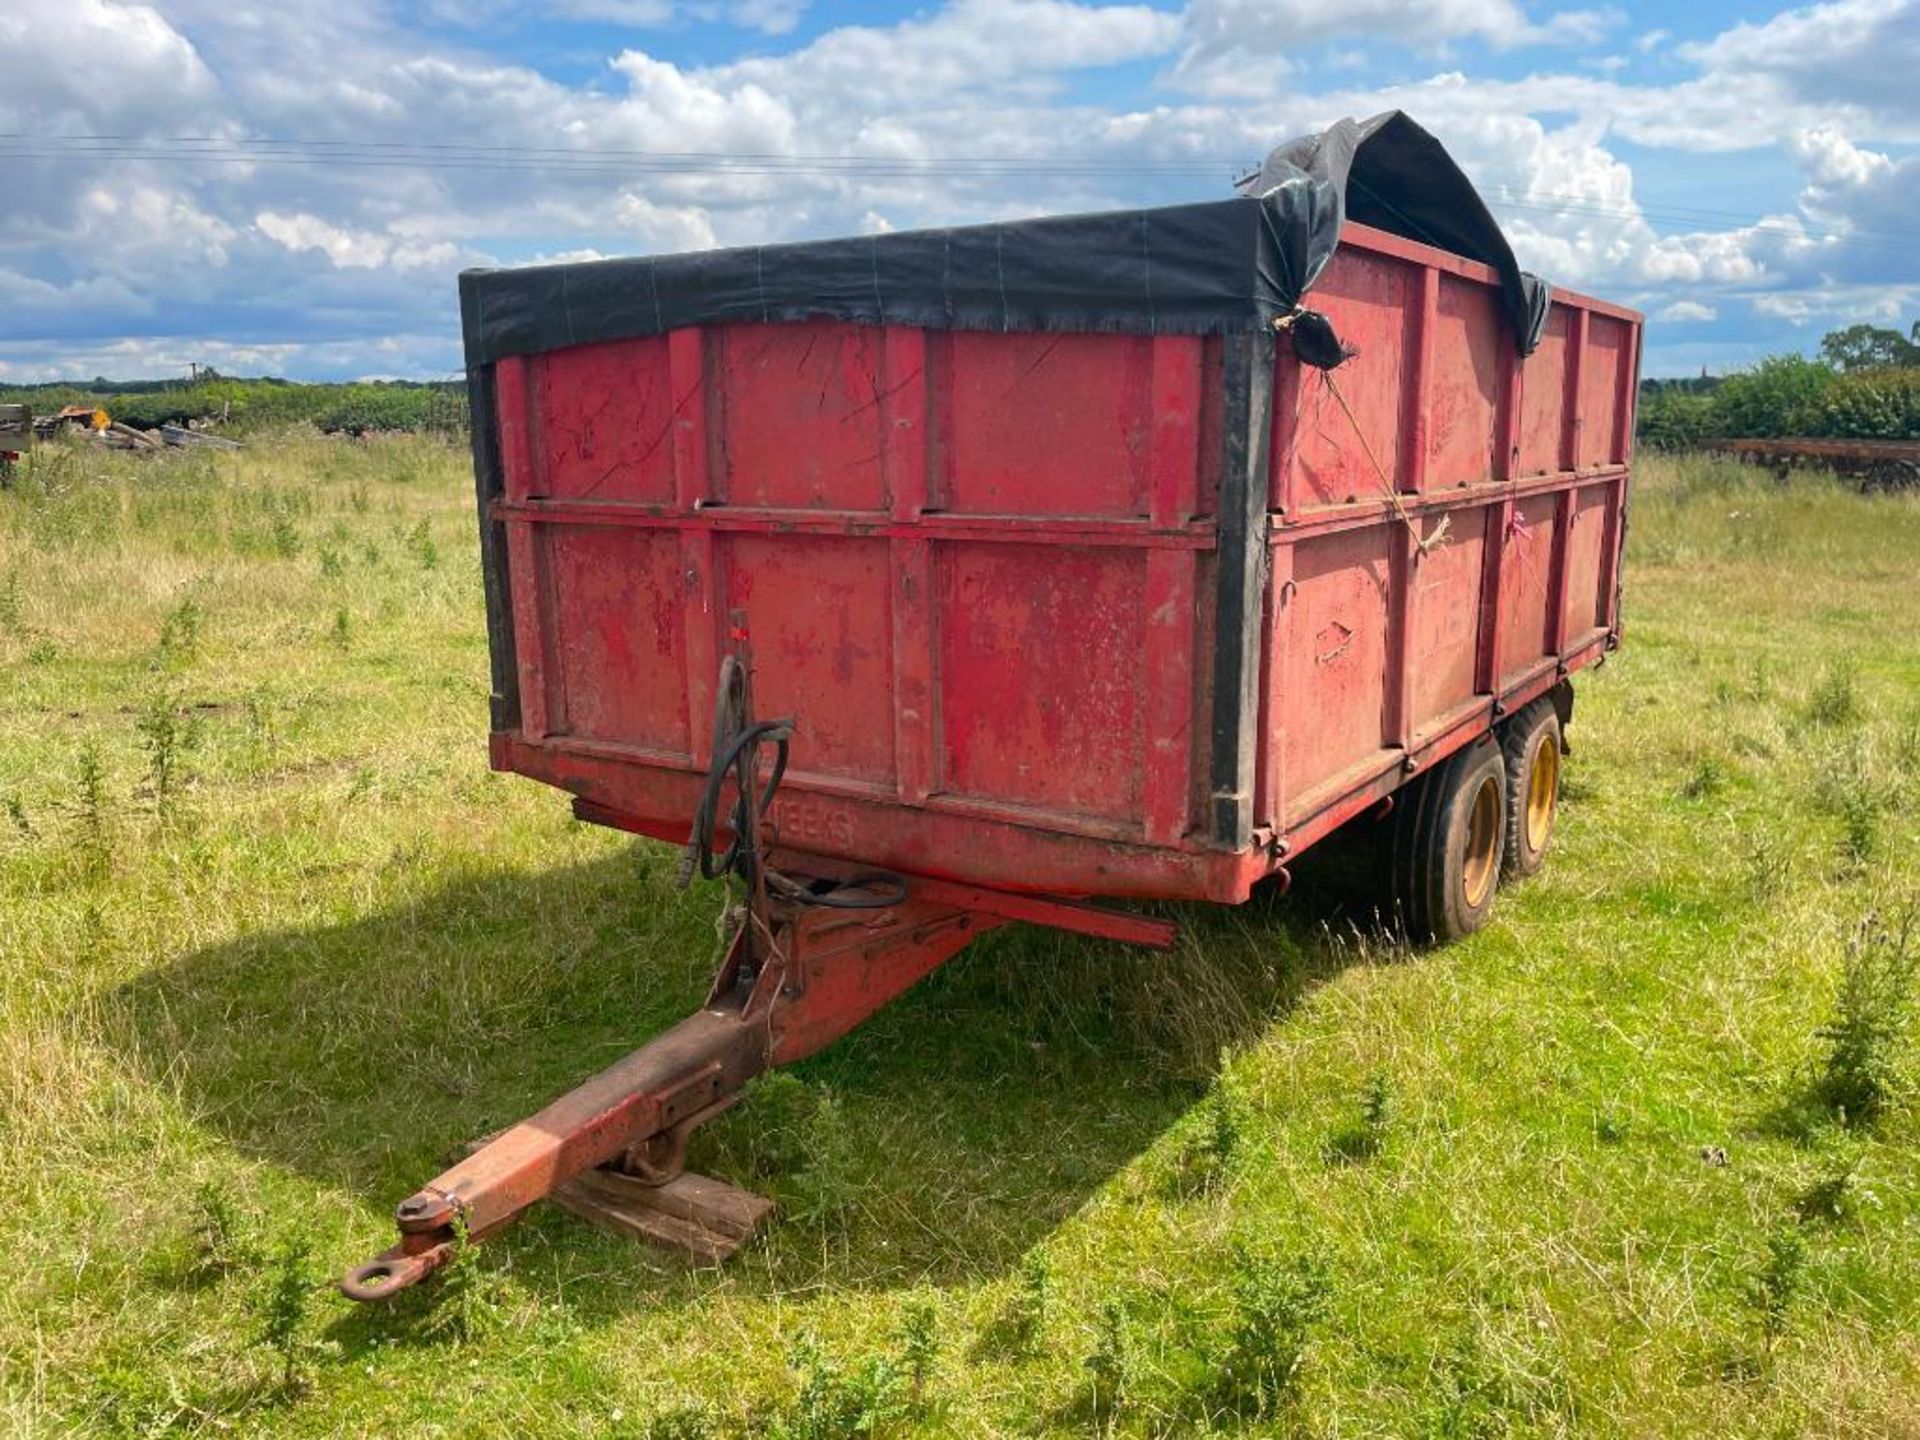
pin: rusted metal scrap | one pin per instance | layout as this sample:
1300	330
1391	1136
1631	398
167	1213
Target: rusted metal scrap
1873	464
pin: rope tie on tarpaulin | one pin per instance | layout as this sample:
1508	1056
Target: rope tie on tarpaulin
1315	343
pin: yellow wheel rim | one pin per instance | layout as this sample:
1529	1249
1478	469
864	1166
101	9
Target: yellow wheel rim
1543	790
1482	859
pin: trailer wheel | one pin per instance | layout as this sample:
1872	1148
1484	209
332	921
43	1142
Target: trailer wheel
1447	846
1533	746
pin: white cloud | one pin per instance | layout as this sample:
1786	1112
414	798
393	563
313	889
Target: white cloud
73	63
642	14
1236	47
664	227
1686	312
1831	160
353	249
1853	52
352	258
770	17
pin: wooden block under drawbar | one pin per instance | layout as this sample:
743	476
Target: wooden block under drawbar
704	1219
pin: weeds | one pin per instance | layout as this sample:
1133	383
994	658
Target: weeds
1366	1136
341	635
470	1296
1768	867
919	1350
221	1236
829	1186
1707	779
1866	1032
1109	1364
1849	785
838	1402
180	633
1835	700
285	537
1831	1198
283	1312
1775	1287
1277	1306
1023	1321
1906	746
92	806
680	1420
166	738
420	542
1209	1159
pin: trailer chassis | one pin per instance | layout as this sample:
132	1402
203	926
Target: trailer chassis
797	975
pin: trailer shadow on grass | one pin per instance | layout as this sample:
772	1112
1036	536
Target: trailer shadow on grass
936	1144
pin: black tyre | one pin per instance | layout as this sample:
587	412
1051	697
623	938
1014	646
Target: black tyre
1449	831
1533	745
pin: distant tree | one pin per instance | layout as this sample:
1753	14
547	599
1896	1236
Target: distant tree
1676	418
1869	347
1779	396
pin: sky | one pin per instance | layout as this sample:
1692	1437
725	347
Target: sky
290	188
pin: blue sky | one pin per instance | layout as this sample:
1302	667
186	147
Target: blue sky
291	188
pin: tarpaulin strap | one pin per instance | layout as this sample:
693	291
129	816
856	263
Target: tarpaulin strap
1387	487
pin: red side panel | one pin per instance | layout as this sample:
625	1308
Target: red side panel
1048	424
1526	577
816	608
1468	374
796	416
1041	701
619	637
602	412
1368	298
1543	420
1405	617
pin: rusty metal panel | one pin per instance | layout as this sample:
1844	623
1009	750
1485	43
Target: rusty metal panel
1041	689
799	417
603	413
1049	424
619	635
815	611
1543	409
1586	534
1526	574
1609	351
1446	618
1336	646
1469	375
1368	298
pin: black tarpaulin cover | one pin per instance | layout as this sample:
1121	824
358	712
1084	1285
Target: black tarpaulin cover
1217	267
1389	173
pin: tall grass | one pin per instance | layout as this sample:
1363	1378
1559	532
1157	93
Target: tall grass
273	939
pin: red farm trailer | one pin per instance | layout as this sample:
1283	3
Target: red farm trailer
1066	560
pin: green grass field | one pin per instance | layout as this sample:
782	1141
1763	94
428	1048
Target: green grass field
273	940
